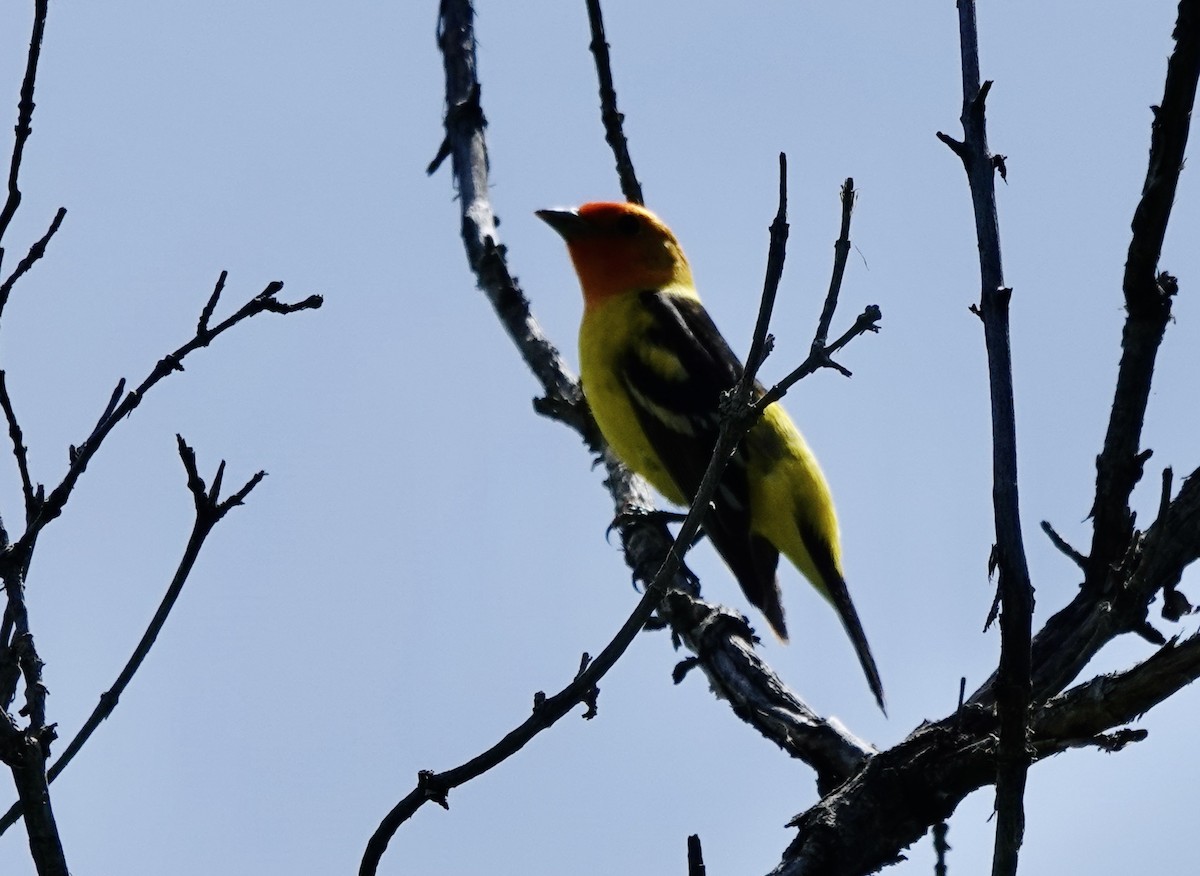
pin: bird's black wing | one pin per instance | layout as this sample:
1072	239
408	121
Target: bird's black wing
675	381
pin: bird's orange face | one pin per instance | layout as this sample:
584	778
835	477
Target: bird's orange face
619	248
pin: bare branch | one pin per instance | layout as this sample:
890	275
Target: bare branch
841	252
1013	686
613	120
36	252
547	711
25	751
940	847
820	354
776	252
209	511
899	793
32	496
25	754
1115	600
695	856
211	304
24	115
486	256
1061	543
119	408
1148	294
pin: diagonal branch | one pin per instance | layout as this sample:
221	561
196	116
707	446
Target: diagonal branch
658	596
35	253
210	509
120	407
763	700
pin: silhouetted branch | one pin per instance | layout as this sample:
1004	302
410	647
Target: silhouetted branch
613	120
820	353
1148	296
1015	590
695	856
210	509
899	793
25	751
24	116
644	539
1115	600
940	848
35	253
1059	542
456	35
20	451
121	407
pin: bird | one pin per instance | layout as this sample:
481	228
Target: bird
653	367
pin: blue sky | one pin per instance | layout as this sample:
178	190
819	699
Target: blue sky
427	552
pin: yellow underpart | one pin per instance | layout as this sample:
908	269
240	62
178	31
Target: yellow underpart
611	327
787	488
786	484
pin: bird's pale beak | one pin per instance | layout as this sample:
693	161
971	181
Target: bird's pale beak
566	222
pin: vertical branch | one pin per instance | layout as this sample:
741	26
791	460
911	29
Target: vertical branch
612	118
1008	558
24	115
841	252
25	751
26	756
1148	304
760	343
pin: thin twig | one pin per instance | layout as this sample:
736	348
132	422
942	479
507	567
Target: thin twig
35	253
209	512
1013	686
841	252
211	304
760	343
612	119
19	450
52	507
546	713
820	354
1061	543
24	115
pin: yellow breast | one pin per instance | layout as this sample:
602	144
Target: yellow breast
609	329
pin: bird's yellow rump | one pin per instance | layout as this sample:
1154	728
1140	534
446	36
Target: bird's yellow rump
653	367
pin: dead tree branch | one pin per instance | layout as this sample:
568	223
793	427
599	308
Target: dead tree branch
1016	591
612	118
210	510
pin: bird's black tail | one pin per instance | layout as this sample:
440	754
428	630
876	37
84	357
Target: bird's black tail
839	595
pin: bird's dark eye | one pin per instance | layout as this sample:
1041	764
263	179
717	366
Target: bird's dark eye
628	225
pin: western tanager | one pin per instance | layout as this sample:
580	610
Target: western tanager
653	367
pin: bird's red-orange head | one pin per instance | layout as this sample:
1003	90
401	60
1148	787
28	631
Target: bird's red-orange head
619	248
